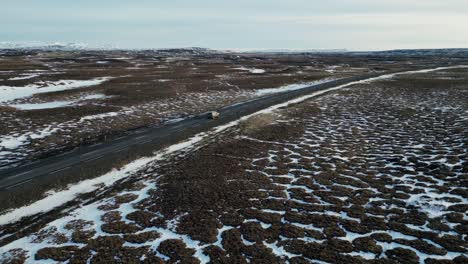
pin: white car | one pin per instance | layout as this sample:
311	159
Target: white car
213	115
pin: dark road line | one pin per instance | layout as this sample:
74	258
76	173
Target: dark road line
90	153
18	175
17	184
92	159
59	170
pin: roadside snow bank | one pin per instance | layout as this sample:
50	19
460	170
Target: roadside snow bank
55	199
291	87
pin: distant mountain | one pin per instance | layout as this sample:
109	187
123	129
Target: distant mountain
399	52
288	50
36	45
54	46
58	46
417	52
186	51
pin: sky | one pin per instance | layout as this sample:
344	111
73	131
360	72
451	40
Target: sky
240	24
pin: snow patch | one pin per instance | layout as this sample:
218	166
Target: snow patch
15	141
24	77
100	116
9	93
56	104
58	198
291	87
55	199
251	70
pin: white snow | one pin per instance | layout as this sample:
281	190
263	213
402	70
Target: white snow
431	202
315	94
291	87
100	116
279	251
11	142
25	77
389	76
251	70
57	198
365	255
91	211
332	69
47	105
56	104
9	93
94	97
17	140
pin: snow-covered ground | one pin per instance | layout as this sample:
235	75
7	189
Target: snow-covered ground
48	105
56	104
58	198
23	139
17	140
251	70
159	111
9	93
291	87
10	143
330	141
25	76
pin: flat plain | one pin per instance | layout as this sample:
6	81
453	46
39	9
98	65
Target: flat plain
375	172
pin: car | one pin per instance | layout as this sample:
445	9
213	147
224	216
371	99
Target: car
213	115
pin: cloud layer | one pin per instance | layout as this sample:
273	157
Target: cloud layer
295	24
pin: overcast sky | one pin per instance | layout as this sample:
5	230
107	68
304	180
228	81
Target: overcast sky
240	24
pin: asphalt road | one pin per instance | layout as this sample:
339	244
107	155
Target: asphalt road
15	177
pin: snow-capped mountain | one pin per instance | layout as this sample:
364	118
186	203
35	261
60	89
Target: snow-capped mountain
73	46
36	45
288	50
417	52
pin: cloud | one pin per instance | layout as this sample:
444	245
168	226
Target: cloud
354	24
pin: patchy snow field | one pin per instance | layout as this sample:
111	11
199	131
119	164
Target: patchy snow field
10	93
42	90
370	173
158	112
57	104
291	87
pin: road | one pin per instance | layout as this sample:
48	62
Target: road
15	177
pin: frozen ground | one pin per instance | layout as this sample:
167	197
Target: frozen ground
85	100
57	104
291	87
373	173
251	70
10	93
17	145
